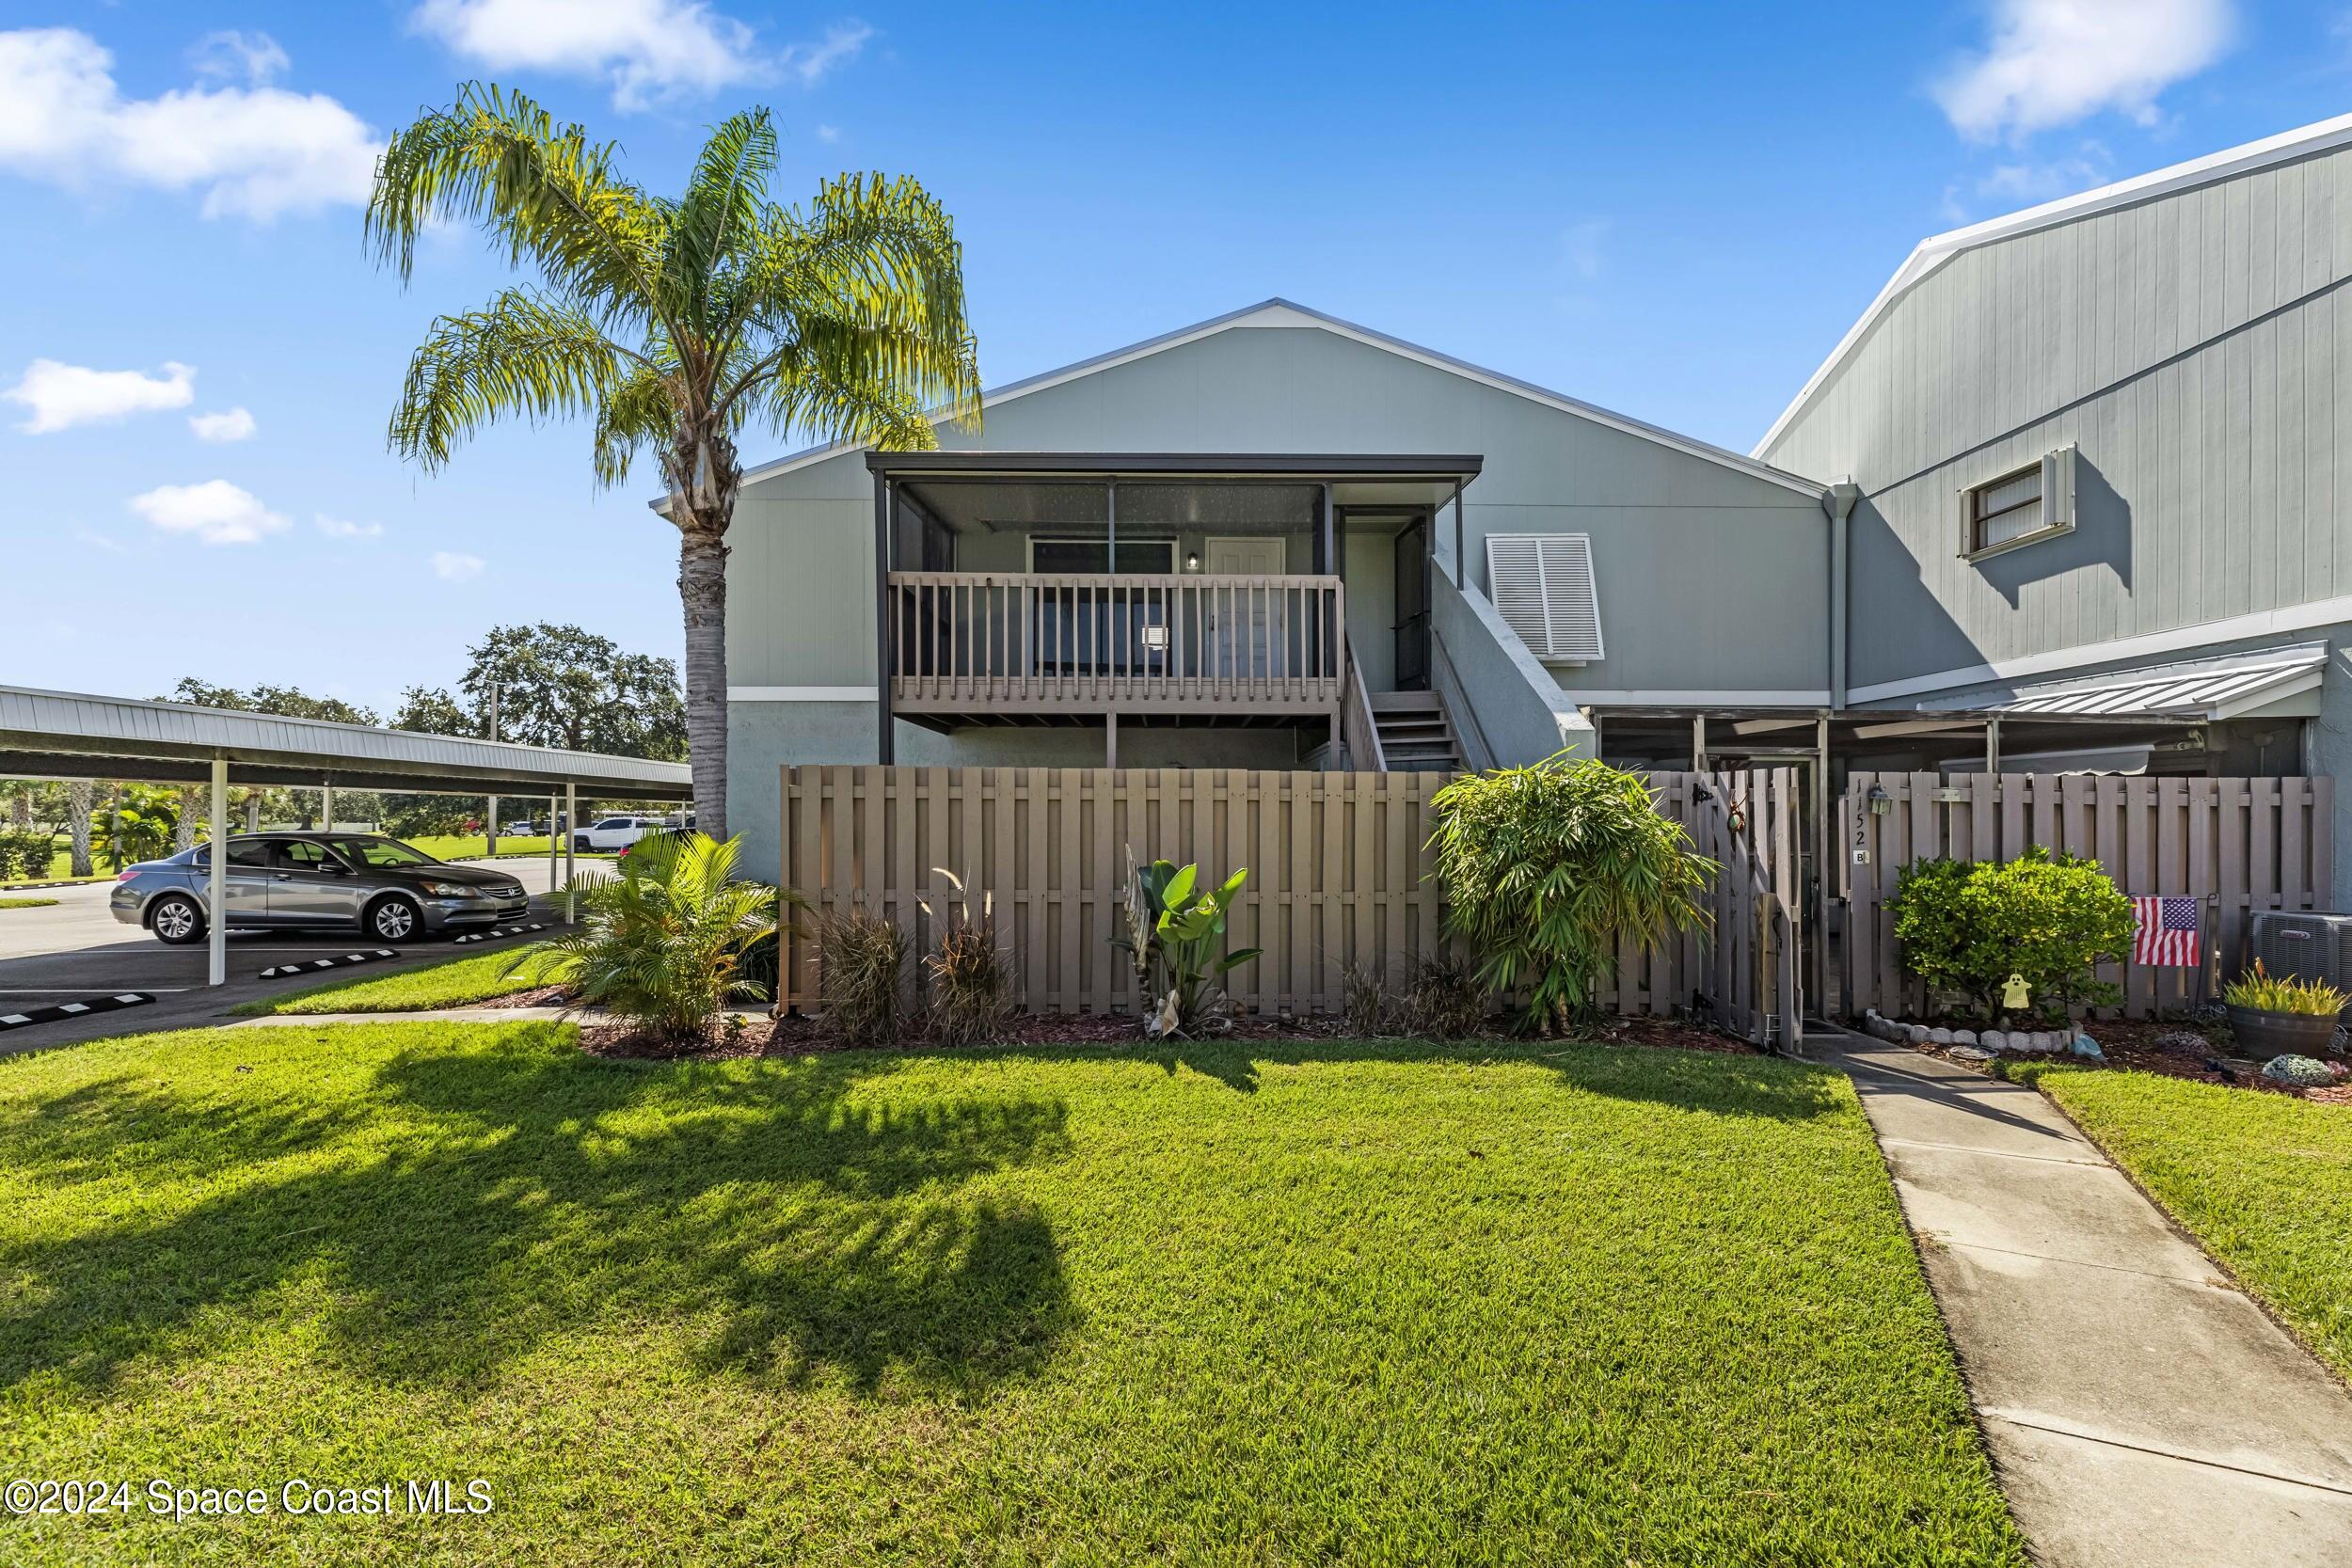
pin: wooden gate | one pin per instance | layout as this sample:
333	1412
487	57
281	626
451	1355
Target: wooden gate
1743	967
2239	844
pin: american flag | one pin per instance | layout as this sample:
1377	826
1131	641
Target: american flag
2167	935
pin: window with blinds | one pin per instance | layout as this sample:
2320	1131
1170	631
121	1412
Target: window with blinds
1545	590
2018	506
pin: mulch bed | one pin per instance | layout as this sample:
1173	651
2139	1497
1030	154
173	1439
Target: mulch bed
539	996
2204	1052
796	1036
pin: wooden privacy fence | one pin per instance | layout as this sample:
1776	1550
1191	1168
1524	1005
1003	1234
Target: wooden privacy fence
1339	873
2240	845
1337	868
1743	966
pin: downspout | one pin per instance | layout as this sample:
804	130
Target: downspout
1837	500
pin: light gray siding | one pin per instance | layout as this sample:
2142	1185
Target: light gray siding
2195	346
1694	558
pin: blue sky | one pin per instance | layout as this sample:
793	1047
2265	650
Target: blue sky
1674	210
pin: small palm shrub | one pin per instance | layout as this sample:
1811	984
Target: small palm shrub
970	975
1446	1001
1546	868
661	943
861	967
2265	992
1967	927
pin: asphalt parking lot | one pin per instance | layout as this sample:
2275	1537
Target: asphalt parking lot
76	950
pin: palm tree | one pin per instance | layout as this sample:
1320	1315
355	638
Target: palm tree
673	324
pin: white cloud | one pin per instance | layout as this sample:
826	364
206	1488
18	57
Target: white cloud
234	425
61	396
829	133
454	566
254	56
96	540
2052	62
812	62
338	527
253	151
216	511
648	49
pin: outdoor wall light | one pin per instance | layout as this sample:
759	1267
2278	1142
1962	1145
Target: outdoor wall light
1192	560
1880	802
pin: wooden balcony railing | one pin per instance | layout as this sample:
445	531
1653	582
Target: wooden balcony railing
1010	643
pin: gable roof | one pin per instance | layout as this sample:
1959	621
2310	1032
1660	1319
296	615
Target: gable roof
1932	253
1281	312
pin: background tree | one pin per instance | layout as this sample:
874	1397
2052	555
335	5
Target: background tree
564	687
675	323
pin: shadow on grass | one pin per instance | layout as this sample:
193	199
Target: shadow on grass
1719	1082
519	1191
461	1208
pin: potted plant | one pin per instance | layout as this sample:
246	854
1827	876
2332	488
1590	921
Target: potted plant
2273	1016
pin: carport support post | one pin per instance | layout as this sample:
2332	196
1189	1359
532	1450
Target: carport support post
571	831
216	902
1991	747
552	837
326	805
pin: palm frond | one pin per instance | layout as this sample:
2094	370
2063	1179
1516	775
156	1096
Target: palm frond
523	354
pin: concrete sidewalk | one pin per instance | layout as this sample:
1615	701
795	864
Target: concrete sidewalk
2141	1409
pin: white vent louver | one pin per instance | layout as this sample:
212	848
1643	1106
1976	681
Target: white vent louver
1544	589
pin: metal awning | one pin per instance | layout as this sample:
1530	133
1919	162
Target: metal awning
74	734
2276	681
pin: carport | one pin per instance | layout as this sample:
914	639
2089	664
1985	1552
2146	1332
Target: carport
64	734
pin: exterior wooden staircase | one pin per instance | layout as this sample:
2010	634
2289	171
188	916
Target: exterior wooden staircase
1415	733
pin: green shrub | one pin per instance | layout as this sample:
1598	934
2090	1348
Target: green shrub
860	970
2266	994
661	943
1968	927
1364	1000
1546	868
1446	1002
970	974
1175	936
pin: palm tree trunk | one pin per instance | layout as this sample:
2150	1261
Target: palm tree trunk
702	585
82	796
195	801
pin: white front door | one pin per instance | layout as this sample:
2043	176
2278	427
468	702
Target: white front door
1248	622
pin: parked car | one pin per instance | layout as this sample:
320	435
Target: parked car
524	829
615	832
390	890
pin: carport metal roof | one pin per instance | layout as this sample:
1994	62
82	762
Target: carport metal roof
71	735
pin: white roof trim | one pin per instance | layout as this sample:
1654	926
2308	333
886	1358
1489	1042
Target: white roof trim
1281	312
1932	252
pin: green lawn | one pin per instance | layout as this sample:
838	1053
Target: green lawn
452	983
25	903
1327	1303
2263	1180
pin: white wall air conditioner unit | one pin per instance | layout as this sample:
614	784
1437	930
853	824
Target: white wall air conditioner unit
2303	946
1545	590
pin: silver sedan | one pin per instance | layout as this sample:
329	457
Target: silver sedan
386	889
